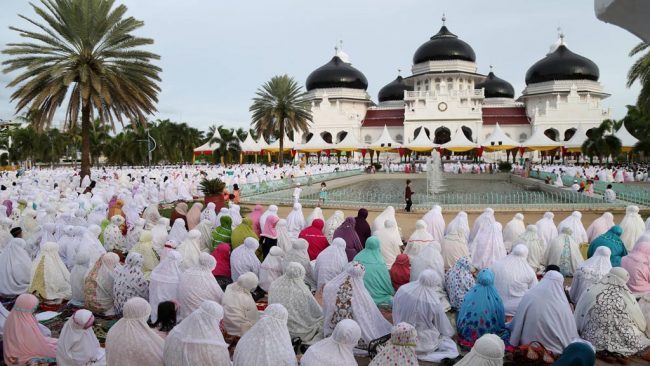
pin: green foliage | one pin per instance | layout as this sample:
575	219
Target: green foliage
505	166
229	142
640	71
601	143
212	187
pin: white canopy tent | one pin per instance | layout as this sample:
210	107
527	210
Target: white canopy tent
498	141
288	144
249	145
315	144
208	147
384	142
627	140
421	143
631	15
459	142
574	144
350	143
540	142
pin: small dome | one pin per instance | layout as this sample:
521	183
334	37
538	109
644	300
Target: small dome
394	90
444	46
336	74
562	64
496	87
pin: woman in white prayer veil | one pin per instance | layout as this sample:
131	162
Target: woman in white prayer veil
435	223
330	262
151	216
223	212
196	285
488	350
97	215
564	252
178	233
609	317
486	217
487	246
271	268
419	239
209	214
271	211
267	342
536	248
454	247
50	277
544	315
574	222
460	221
78	276
346	297
190	250
15	269
164	282
390	242
600	226
305	314
418	303
633	227
235	215
295	221
197	340
284	238
243	259
513	230
91	242
590	272
113	238
159	234
240	311
332	224
427	257
513	277
380	220
99	285
131	342
205	242
298	253
78	345
335	350
316	213
546	228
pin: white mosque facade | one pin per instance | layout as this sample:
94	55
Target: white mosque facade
445	93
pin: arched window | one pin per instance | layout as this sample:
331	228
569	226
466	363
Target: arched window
340	136
523	137
399	139
467	132
367	139
326	136
552	134
441	135
568	134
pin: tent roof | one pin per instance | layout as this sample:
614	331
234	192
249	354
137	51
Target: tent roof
459	142
539	141
250	145
498	140
421	142
384	142
627	140
288	144
316	144
209	146
350	143
574	144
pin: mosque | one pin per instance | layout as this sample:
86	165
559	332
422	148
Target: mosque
445	95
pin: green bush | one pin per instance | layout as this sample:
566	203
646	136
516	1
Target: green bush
505	167
212	187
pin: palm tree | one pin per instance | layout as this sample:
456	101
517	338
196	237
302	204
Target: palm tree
229	143
641	71
86	53
601	143
280	107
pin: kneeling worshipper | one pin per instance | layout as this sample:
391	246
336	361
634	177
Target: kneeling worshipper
223	232
163	285
197	340
271	268
453	247
574	223
243	259
482	312
578	353
488	350
346	297
255	217
546	228
190	250
98	288
633	227
435	223
361	226
295	221
22	338
298	254
114	239
459	222
335	350
458	281
544	315
400	272
267	342
144	247
131	342
129	282
15	269
600	226
198	285
513	230
332	223
376	278
313	234
330	262
419	239
78	277
390	241
348	233
417	303
590	273
427	257
400	349
486	216
271	211
193	217
240	311
487	246
77	344
536	248
284	240
222	271
609	317
179	213
564	251
305	319
612	240
241	232
177	233
637	264
50	277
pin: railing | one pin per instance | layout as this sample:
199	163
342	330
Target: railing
253	189
433	94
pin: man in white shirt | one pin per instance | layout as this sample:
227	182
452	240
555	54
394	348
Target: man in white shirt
610	195
575	186
296	193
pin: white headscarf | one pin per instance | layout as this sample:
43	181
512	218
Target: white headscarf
298	253
317	213
435	223
513	277
178	233
197	340
487	351
590	272
633	227
101	278
487	245
90	239
235	215
513	230
546	228
113	238
129	281
574	222
243	259
159	234
15	269
561	247
460	221
198	285
163	285
284	237
271	268
454	247
267	342
130	342
240	311
295	221
78	276
380	220
332	224
271	211
600	226
486	217
536	248
190	250
544	315
335	350
400	349
390	242
420	238
330	262
77	344
428	257
56	277
210	214
151	216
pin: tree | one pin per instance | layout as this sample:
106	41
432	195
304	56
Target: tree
228	143
601	143
640	71
280	107
86	53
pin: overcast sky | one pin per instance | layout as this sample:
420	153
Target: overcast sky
215	54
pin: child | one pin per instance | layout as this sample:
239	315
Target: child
323	194
236	192
296	193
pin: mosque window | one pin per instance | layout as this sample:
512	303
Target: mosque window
367	139
523	137
399	139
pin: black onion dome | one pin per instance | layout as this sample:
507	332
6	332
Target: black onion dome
496	87
562	64
394	90
444	46
336	74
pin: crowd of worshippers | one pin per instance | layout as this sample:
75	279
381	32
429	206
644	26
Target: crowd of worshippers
211	288
610	173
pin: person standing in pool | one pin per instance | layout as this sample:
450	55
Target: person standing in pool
408	193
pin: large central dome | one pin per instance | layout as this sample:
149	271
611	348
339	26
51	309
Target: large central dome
336	74
444	46
562	64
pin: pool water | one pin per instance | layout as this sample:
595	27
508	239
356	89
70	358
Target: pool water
419	186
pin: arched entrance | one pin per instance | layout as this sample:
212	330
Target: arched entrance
326	136
467	132
552	134
568	134
441	135
306	137
340	136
